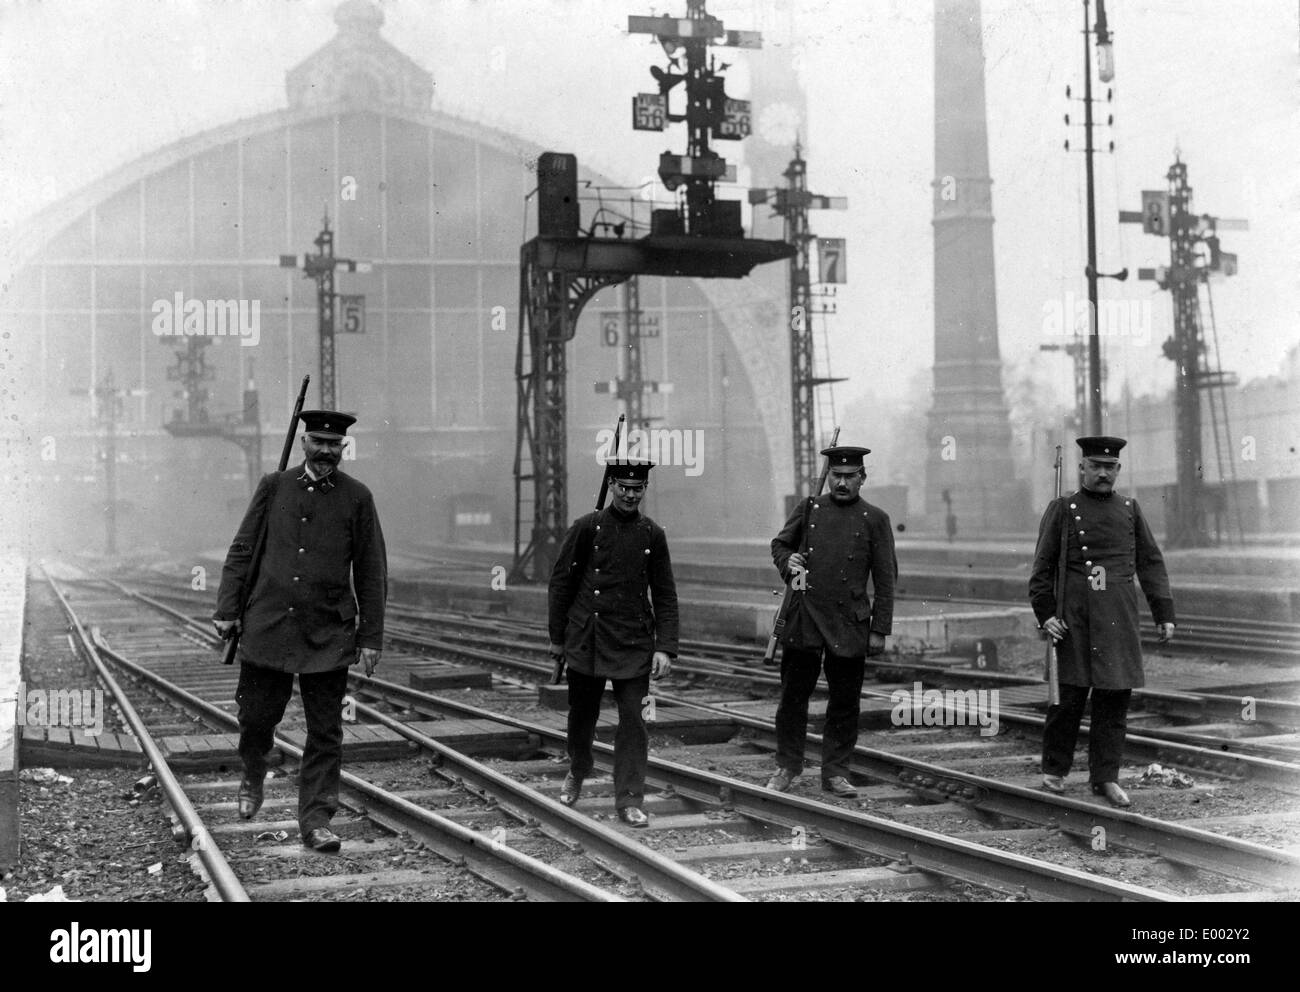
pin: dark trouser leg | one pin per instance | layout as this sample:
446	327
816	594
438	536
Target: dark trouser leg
322	759
1062	729
631	742
1106	732
844	680
262	695
799	670
584	710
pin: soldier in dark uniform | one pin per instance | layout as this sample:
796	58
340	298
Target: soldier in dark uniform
827	550
323	542
1107	542
605	628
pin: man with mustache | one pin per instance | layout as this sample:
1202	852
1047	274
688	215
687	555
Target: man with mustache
828	549
604	626
1107	542
323	541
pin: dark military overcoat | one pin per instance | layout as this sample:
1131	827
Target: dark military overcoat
846	546
598	607
323	541
1108	543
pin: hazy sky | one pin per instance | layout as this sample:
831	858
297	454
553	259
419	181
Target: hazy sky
87	85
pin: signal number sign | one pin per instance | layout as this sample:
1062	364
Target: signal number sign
611	327
353	315
611	324
649	111
735	123
830	251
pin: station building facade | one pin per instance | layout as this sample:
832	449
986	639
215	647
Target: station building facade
436	203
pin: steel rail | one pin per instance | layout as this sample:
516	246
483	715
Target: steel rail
189	829
1206	757
481	855
1230	757
163	607
1177	843
912	847
1218	631
1199	705
660	877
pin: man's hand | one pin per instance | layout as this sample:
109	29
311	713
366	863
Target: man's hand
875	644
226	628
660	666
1056	627
370	660
556	650
1166	632
796	563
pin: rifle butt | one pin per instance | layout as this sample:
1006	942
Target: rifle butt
769	656
1053	676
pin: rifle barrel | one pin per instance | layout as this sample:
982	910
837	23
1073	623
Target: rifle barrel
1051	663
604	479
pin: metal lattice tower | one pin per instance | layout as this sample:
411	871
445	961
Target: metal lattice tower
1169	213
321	267
803	383
633	387
793	203
1184	349
563	267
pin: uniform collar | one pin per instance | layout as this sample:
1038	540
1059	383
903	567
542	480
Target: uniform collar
621	517
307	478
1091	494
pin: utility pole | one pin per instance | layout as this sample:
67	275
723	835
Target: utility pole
627	330
793	203
1106	72
635	396
321	267
1077	351
1168	213
107	413
250	438
110	407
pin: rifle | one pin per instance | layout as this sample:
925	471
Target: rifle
1051	664
232	642
778	626
557	673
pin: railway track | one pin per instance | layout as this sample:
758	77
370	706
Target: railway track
1225	637
935	783
1266	761
385	824
1275	759
1197	633
840	838
1243	863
